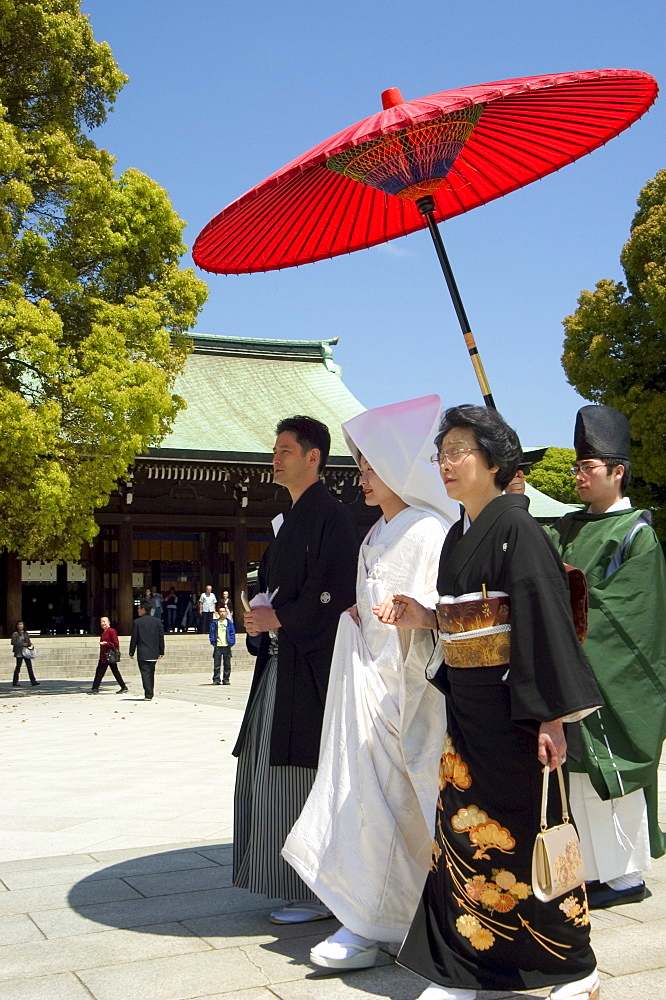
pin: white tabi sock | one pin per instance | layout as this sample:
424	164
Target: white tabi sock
579	988
345	936
435	992
625	881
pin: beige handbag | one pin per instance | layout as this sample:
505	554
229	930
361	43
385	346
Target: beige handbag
557	862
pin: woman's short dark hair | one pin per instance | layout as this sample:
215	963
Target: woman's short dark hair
497	442
309	433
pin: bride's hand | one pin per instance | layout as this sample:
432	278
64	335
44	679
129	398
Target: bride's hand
353	611
405	612
384	610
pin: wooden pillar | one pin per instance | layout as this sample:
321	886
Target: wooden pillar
61	608
13	603
125	589
209	559
204	567
95	583
215	563
239	570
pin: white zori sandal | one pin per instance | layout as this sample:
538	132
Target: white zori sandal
582	989
345	950
300	913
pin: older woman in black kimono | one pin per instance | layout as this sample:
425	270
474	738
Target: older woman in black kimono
479	925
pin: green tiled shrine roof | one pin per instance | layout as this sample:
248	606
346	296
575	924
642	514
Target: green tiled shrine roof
544	506
237	390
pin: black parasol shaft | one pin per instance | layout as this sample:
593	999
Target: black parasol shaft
426	207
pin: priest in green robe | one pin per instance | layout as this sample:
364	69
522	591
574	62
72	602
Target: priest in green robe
614	801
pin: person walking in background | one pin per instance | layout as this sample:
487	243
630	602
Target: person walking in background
171	606
109	649
222	637
49	626
207	603
156	598
74	605
306	580
148	596
191	614
148	643
21	642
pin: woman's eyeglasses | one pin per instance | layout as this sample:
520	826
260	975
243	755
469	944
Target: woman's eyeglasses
450	457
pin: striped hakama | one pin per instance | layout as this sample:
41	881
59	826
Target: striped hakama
267	803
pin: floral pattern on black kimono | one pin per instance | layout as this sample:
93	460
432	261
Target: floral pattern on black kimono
479	925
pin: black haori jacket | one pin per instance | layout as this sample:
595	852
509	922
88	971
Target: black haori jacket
548	676
312	562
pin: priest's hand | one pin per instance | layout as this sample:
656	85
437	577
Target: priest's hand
552	744
260	619
517	484
405	612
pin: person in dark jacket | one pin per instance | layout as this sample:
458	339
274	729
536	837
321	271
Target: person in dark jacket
222	637
148	643
20	642
171	605
108	640
226	602
308	578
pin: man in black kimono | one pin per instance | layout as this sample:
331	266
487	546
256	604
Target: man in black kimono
308	577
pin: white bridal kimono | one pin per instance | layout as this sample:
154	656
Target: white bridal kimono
363	841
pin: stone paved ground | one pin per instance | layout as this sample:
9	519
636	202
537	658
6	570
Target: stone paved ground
115	855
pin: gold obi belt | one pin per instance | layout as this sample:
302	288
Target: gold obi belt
475	629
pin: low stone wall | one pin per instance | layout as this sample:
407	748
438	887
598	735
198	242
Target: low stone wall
76	656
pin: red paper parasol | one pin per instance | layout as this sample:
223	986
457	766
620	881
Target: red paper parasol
417	163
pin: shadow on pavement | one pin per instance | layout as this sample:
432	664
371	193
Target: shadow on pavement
188	892
64	686
173	887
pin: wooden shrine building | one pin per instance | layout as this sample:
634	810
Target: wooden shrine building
198	509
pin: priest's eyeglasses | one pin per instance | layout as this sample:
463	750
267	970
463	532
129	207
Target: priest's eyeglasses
450	457
585	469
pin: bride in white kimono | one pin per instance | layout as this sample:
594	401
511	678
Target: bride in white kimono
364	838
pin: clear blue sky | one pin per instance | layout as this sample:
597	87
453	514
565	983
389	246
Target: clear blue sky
222	93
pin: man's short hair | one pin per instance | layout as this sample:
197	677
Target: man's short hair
146	605
220	607
309	433
611	464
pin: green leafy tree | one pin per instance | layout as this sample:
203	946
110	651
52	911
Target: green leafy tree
94	308
615	344
551	475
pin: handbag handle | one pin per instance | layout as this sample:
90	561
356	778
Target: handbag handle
544	797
